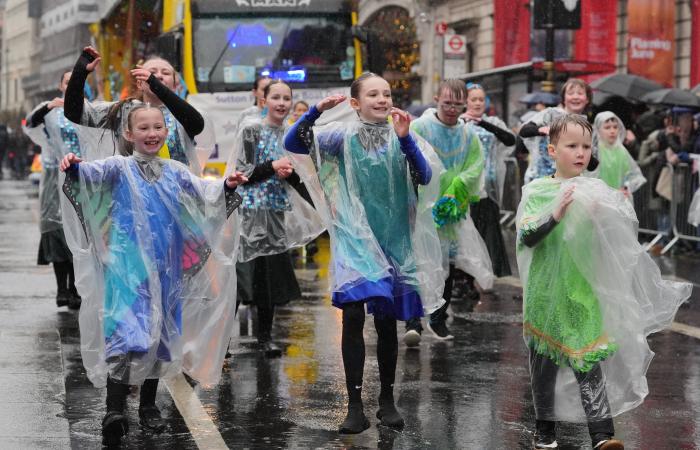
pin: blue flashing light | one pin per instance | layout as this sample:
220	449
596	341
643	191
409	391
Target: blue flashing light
293	75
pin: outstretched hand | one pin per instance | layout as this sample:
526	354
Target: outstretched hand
70	158
330	102
236	179
95	54
55	103
566	200
401	120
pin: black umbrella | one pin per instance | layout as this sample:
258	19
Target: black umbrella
672	97
625	85
546	98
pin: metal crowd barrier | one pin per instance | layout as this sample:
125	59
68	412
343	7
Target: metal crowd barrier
512	190
649	207
684	184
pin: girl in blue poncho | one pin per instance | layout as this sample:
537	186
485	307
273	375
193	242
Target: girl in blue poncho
156	276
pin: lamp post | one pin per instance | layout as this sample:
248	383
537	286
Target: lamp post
548	65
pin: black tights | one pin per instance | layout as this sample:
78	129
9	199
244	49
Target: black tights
266	314
117	393
353	348
65	277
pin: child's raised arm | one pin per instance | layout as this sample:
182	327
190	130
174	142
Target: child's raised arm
74	99
420	170
299	137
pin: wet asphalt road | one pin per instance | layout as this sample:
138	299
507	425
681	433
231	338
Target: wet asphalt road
471	393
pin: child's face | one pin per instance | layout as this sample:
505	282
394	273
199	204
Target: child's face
147	131
476	102
449	108
575	99
374	101
299	110
278	102
572	152
259	93
162	70
609	131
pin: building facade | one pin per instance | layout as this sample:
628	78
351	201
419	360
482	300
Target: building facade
20	49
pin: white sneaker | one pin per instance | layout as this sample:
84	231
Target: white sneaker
411	338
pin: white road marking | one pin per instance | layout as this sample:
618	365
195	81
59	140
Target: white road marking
201	427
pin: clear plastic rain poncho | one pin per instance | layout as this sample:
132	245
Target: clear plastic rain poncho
380	222
178	146
57	136
616	166
154	251
591	297
495	154
694	210
462	182
274	216
541	165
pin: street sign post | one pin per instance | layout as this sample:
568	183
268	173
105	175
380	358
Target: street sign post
454	55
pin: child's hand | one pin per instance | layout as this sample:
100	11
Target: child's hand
467	116
55	103
236	179
141	75
283	167
625	191
402	122
69	159
566	200
330	102
95	54
543	130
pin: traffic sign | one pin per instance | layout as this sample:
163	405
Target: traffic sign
441	28
455	45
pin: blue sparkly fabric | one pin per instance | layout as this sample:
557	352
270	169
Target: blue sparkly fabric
69	135
488	146
270	193
177	152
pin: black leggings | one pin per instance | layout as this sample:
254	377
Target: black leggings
353	348
543	375
65	277
117	393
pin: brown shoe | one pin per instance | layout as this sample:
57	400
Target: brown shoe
610	444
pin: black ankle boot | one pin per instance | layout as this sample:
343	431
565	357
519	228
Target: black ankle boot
114	426
388	414
355	422
150	418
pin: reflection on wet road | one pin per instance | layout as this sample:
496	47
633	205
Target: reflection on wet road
470	393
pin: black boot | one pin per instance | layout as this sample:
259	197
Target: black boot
74	300
114	424
149	414
62	298
355	421
388	414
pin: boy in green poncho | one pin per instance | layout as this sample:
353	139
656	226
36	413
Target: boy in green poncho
617	168
563	322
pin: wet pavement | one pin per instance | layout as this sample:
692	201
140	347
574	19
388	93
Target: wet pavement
470	393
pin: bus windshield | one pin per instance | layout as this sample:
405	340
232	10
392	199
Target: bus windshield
313	50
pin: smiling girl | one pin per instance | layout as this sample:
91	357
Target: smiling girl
276	213
157	236
375	190
156	81
576	95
